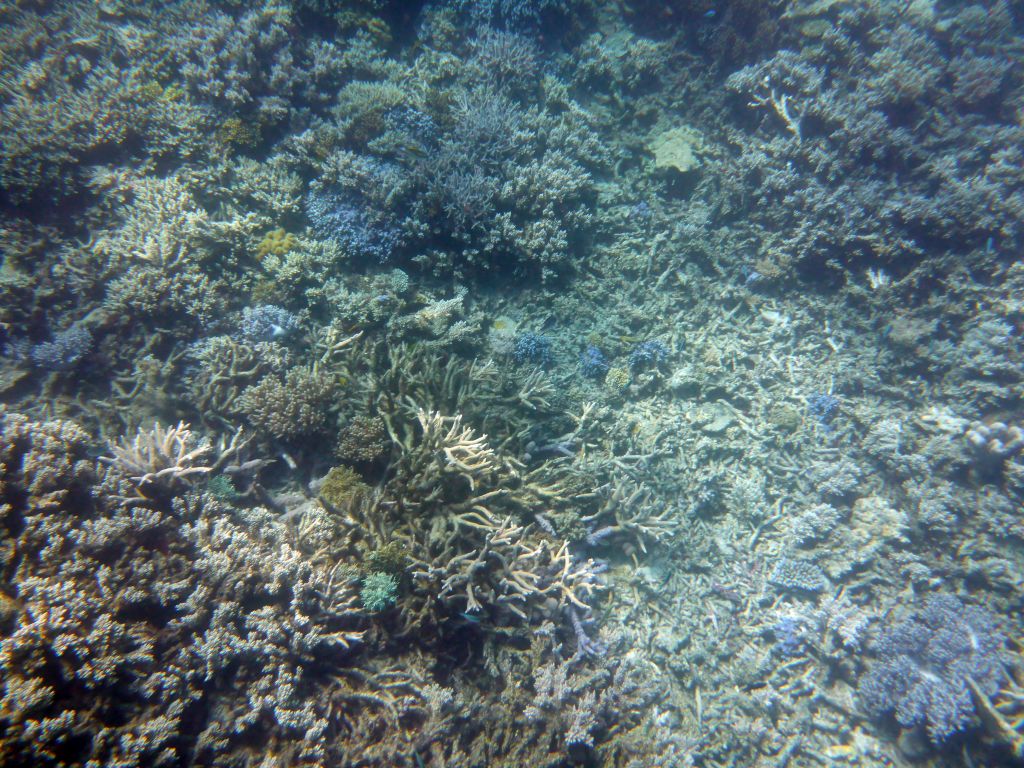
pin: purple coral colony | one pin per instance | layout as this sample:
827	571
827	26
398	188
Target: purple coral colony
512	383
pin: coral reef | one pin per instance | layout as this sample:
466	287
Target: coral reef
519	382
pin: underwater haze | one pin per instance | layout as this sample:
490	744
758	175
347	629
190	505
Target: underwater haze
512	383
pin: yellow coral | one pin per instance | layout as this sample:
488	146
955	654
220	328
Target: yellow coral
265	291
341	486
150	90
277	242
235	131
617	379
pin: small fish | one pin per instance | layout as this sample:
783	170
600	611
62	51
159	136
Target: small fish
411	148
710	14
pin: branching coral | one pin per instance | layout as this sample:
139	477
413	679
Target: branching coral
223	367
204	627
160	456
459	511
289	407
628	513
927	663
165	461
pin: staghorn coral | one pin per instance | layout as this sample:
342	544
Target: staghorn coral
466	172
513	14
163	462
630	514
861	125
49	461
507	57
221	367
160	218
619	66
78	86
181	298
495	398
447	449
251	63
256	663
475	557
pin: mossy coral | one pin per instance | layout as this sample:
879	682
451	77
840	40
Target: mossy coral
276	242
340	486
237	132
391	558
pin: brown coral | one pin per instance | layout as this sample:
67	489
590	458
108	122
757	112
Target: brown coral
289	407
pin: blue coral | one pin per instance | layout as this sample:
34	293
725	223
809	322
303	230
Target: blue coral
65	351
532	348
789	634
648	354
593	363
413	123
347	216
924	664
823	407
510	14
